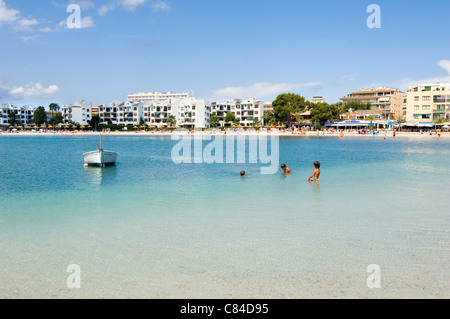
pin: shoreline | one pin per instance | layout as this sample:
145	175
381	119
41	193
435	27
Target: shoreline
388	135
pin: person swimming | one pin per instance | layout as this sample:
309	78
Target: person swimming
286	169
243	174
315	177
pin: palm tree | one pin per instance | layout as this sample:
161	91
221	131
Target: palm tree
53	107
371	118
439	120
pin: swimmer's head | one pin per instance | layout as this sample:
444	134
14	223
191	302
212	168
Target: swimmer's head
283	166
242	173
317	165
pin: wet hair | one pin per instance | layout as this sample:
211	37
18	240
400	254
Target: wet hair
317	165
243	173
283	165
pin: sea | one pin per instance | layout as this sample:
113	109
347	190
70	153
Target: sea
376	226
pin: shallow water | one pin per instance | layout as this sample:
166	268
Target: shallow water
149	228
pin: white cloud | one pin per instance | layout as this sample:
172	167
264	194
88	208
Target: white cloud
25	24
160	6
104	9
28	38
6	14
32	90
260	90
131	5
84	4
445	64
87	22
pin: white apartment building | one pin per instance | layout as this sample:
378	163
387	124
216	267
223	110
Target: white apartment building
130	113
191	113
188	112
246	111
158	96
24	114
108	113
156	113
428	102
79	113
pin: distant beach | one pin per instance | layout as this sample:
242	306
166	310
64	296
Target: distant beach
381	134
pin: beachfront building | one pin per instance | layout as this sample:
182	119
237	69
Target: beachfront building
247	111
389	100
130	113
156	113
24	114
378	115
428	102
158	96
191	113
79	113
108	113
317	99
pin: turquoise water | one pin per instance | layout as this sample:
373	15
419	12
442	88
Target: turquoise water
149	228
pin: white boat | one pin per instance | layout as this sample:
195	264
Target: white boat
100	157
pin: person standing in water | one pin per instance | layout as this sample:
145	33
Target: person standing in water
315	177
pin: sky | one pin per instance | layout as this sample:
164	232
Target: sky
218	49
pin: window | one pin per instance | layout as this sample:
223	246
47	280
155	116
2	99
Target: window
416	107
439	99
426	107
426	98
426	116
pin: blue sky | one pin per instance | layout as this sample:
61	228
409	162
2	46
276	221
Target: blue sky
218	49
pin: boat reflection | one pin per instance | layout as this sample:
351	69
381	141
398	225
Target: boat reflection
99	176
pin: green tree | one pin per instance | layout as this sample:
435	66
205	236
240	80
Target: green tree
287	104
256	122
171	121
371	119
39	116
269	117
439	120
58	118
230	118
12	120
357	106
53	107
95	121
322	113
214	121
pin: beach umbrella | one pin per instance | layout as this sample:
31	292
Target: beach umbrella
74	126
82	127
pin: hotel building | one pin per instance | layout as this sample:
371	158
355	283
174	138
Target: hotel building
428	102
317	99
246	111
79	113
158	96
108	113
387	99
156	113
24	114
130	113
191	113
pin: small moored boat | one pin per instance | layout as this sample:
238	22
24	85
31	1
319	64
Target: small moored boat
100	157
